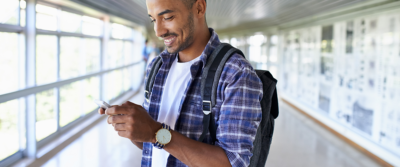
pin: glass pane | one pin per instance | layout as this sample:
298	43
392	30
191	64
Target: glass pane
127	79
46	62
92	55
70	103
9	11
9	140
128	56
273	54
22	4
9	62
115	54
46	122
46	17
92	26
70	22
118	83
70	57
121	32
92	88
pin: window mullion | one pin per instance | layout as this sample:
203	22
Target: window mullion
30	30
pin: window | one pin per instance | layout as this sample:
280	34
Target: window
70	22
70	102
10	128
46	59
46	121
92	26
70	57
9	12
121	32
68	45
10	62
46	17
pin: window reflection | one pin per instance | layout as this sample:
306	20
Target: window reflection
9	140
46	122
46	53
9	62
9	11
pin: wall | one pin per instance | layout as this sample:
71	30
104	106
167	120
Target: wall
347	75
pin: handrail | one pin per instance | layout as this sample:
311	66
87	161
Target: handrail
37	89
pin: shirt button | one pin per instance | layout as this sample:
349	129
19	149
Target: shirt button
146	152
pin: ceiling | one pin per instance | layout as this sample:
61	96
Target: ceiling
229	15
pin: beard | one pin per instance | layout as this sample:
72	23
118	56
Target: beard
189	26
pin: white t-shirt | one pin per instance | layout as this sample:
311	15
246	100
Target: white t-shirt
177	80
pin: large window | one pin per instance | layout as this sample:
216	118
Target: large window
66	69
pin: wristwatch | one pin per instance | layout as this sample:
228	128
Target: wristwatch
163	136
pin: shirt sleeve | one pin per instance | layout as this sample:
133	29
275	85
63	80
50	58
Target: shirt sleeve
240	113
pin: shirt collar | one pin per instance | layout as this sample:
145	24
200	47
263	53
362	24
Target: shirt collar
210	47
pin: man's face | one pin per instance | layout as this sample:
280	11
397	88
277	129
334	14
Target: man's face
173	22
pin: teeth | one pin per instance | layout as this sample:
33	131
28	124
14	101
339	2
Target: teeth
169	40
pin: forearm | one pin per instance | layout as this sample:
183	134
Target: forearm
195	153
138	144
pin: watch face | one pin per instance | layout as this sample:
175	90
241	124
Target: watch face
163	136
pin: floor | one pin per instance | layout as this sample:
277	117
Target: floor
298	141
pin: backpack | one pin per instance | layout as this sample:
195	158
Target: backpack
209	82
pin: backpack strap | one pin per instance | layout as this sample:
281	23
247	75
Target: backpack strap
150	79
209	83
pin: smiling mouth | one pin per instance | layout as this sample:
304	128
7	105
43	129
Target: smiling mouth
169	41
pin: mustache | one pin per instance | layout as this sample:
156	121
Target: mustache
168	34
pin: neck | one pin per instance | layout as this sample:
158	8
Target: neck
201	39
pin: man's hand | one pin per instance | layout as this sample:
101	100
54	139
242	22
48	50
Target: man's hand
133	122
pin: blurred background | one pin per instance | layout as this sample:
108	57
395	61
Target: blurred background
337	65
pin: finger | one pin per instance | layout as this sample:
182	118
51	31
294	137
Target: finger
117	110
115	119
120	127
101	111
127	103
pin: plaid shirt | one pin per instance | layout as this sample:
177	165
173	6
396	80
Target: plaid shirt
237	112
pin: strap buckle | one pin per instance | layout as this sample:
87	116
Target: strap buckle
206	107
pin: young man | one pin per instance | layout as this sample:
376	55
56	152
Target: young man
176	96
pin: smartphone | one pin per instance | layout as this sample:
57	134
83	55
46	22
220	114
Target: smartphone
102	104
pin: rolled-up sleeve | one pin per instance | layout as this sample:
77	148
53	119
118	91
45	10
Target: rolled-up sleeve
240	112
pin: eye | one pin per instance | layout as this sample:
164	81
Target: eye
153	20
169	18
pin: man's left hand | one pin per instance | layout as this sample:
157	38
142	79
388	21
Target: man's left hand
133	122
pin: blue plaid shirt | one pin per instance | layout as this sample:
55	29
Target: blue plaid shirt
237	112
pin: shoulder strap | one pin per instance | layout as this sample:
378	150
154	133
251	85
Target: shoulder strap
150	79
209	83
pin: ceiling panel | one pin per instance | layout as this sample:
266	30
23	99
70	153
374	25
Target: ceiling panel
230	15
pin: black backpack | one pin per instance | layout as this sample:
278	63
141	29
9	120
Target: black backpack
209	82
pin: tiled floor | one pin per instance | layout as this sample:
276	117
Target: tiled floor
297	142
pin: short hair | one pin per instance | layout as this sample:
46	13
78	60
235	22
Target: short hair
189	3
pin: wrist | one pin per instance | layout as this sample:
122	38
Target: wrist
157	126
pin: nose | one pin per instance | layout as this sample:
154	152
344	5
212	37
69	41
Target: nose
159	29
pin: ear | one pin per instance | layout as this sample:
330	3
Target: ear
200	6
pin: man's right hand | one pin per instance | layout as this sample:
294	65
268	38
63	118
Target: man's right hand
102	111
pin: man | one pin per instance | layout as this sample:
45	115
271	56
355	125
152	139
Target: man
176	96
